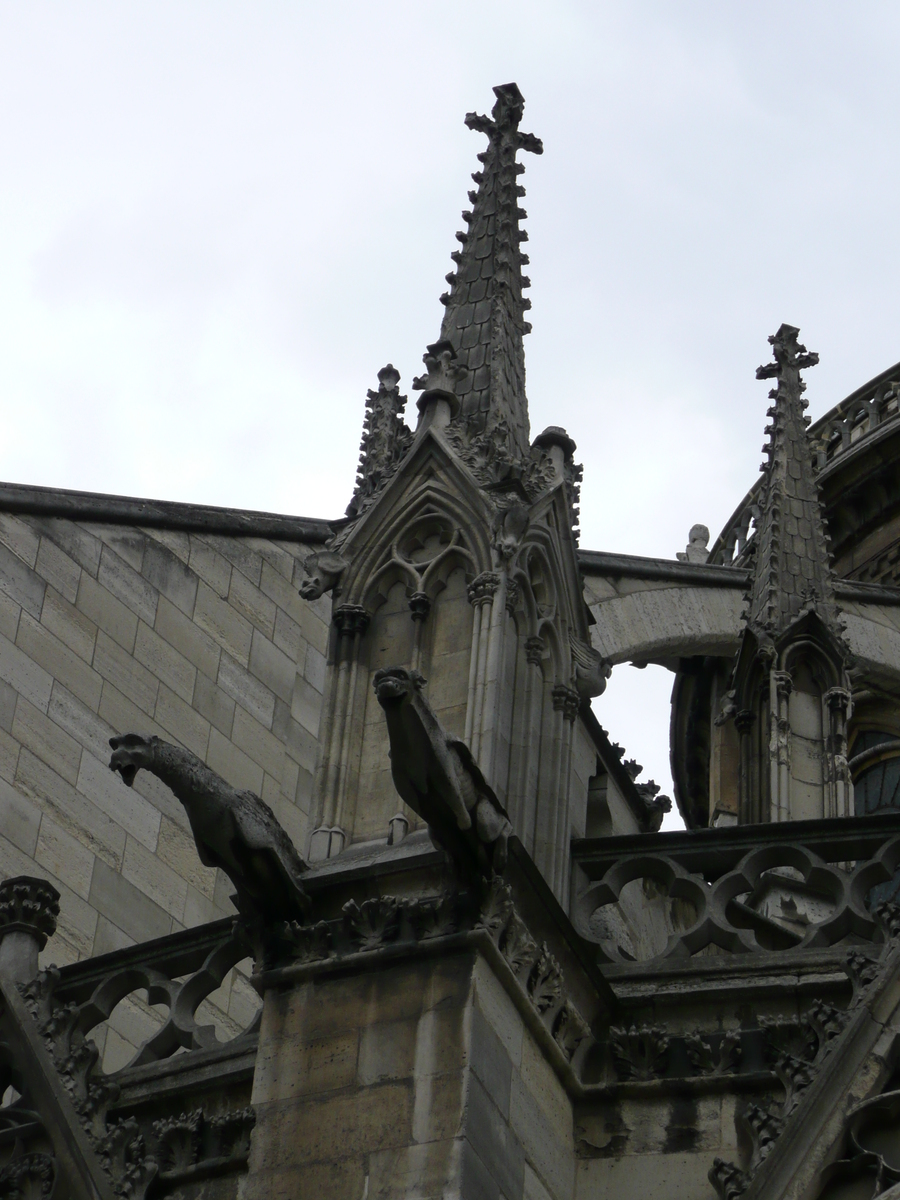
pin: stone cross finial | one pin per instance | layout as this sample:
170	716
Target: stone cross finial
790	356
503	122
792	541
28	911
485	306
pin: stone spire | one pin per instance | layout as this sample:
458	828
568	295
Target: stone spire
790	692
792	571
385	440
484	318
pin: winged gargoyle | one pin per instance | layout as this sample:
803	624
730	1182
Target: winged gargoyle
234	830
439	779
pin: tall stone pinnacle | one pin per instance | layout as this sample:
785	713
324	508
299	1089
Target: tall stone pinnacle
484	318
792	571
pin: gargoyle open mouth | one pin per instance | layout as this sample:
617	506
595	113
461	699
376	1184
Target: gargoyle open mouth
390	683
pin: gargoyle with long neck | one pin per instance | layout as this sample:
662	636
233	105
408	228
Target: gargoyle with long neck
439	779
234	830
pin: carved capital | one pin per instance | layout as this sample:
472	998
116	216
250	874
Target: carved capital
351	619
534	650
837	699
483	587
566	700
783	684
28	906
744	720
419	605
512	596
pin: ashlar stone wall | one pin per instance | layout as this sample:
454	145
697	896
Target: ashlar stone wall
418	1078
200	639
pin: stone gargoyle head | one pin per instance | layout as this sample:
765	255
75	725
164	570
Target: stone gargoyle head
395	686
131	753
322	571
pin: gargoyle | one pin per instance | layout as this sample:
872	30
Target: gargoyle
509	529
234	830
591	669
656	806
439	779
322	571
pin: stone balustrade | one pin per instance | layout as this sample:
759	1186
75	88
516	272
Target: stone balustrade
740	890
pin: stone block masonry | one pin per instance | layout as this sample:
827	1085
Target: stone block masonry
196	635
412	1079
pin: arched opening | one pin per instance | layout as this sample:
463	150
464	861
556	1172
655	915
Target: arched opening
807	744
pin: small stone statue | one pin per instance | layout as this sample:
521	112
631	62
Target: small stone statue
322	572
438	778
592	670
234	830
696	550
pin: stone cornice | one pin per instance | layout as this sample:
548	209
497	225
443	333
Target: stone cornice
160	514
599	562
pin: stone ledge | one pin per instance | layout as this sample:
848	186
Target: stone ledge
161	514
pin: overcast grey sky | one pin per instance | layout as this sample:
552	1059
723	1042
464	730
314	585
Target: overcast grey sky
219	220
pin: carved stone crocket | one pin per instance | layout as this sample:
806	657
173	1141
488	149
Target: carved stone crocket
232	829
439	779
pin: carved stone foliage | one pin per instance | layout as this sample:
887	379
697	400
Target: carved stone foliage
777	897
380	923
385	440
374	922
29	905
709	1058
799	1052
639	1052
728	1180
192	1145
642	1052
487	455
28	1177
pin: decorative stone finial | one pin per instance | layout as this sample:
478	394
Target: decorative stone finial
28	911
385	440
555	435
444	372
503	122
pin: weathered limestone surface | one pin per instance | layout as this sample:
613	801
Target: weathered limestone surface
418	1079
199	638
661	620
873	635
